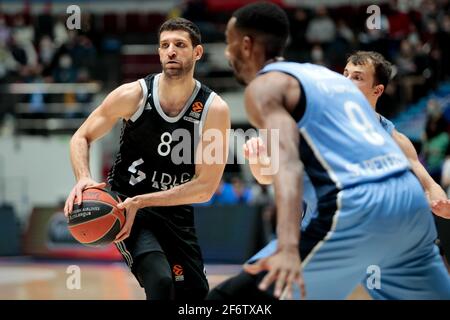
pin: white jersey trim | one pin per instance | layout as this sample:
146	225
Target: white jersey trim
141	107
205	111
125	253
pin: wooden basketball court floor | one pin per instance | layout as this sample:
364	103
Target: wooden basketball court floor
29	279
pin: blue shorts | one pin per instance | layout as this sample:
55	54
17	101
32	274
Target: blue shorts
379	234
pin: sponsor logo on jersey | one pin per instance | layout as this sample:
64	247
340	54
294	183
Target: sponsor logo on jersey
165	181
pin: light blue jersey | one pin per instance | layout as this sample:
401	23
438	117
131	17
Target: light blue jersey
366	212
338	117
309	194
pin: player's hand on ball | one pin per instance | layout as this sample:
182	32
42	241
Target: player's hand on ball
82	184
284	268
131	207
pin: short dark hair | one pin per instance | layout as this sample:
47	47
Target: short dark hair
185	25
269	22
383	68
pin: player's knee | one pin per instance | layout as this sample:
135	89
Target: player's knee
159	288
163	282
154	274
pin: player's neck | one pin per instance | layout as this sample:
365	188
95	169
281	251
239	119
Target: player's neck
173	93
272	60
257	67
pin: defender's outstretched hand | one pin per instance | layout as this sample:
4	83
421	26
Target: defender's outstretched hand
284	268
255	149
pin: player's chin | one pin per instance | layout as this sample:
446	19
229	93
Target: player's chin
173	70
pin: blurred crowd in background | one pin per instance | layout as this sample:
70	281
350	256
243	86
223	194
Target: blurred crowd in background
413	35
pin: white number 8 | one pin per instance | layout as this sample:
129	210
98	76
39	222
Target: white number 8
361	123
166	140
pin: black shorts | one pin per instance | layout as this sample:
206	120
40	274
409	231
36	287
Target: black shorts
169	230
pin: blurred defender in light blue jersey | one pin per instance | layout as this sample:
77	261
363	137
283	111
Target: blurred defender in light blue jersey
373	219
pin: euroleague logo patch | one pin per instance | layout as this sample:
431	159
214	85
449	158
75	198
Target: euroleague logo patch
178	272
197	106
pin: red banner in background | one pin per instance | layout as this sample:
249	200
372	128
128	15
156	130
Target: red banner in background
48	236
231	5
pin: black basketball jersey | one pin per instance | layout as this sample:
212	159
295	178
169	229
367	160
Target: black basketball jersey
157	152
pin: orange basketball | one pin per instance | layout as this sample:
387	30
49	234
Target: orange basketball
97	220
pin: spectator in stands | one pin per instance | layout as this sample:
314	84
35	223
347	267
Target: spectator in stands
46	53
24	36
321	29
60	32
7	63
197	12
81	96
399	20
444	44
298	49
45	22
436	144
317	55
408	70
5	31
232	193
83	52
65	71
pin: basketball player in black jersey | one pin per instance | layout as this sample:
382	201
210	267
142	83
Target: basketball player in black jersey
168	119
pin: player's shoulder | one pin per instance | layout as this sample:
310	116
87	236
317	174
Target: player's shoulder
219	106
271	78
124	100
218	115
270	85
130	90
219	102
